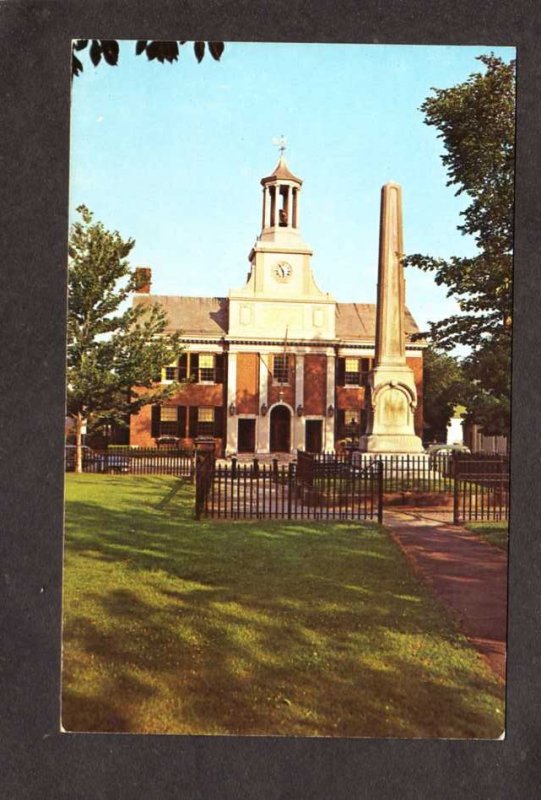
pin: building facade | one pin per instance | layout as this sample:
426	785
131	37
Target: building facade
277	366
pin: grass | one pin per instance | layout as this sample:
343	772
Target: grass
390	484
495	533
173	626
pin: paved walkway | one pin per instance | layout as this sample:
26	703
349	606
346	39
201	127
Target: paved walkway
465	573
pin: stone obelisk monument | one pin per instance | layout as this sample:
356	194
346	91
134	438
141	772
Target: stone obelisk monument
392	395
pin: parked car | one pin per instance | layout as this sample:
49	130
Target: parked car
440	455
167	441
97	462
112	462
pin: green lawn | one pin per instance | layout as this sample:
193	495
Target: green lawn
174	626
496	533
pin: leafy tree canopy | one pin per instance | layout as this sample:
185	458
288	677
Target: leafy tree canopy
443	389
110	348
476	121
108	50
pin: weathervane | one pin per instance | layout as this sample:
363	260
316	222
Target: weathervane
280	143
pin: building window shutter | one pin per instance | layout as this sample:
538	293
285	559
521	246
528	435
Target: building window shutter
366	366
193	422
218	422
155	422
181	421
340	371
219	368
194	367
364	420
340	423
183	367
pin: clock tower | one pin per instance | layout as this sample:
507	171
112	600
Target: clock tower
281	297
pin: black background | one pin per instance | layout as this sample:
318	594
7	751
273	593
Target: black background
36	759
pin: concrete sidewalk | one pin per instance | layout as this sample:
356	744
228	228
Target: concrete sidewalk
465	573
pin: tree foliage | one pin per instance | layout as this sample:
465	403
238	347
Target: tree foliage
110	348
443	389
476	121
108	50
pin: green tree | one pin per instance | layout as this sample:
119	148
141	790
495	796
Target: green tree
476	121
108	50
111	349
443	389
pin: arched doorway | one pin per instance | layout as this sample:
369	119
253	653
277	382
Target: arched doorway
280	429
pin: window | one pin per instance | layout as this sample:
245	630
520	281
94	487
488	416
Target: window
280	369
207	372
205	421
168	421
350	423
352	371
169	373
202	367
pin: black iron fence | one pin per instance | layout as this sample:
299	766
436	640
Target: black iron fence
481	488
134	461
419	473
316	487
354	486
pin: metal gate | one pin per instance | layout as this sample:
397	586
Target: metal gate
481	489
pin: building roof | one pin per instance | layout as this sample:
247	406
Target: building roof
193	316
358	321
208	316
281	172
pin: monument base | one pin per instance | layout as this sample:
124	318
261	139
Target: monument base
391	443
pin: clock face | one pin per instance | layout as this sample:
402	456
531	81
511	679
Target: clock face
282	271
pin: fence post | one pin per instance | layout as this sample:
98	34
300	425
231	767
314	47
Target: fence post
256	467
379	463
275	468
233	467
289	489
455	479
197	486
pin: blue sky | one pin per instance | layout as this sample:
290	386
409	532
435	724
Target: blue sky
172	156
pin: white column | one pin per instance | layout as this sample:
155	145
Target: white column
262	440
298	422
266	207
231	429
328	438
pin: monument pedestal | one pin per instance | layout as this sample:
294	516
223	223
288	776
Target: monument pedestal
393	400
391	444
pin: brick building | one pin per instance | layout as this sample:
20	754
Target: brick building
278	365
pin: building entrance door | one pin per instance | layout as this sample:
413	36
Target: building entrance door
314	437
280	429
246	440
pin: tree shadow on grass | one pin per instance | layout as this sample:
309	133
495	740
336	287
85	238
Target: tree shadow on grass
298	632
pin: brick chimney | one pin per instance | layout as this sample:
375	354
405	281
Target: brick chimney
143	280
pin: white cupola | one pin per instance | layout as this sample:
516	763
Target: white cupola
281	191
